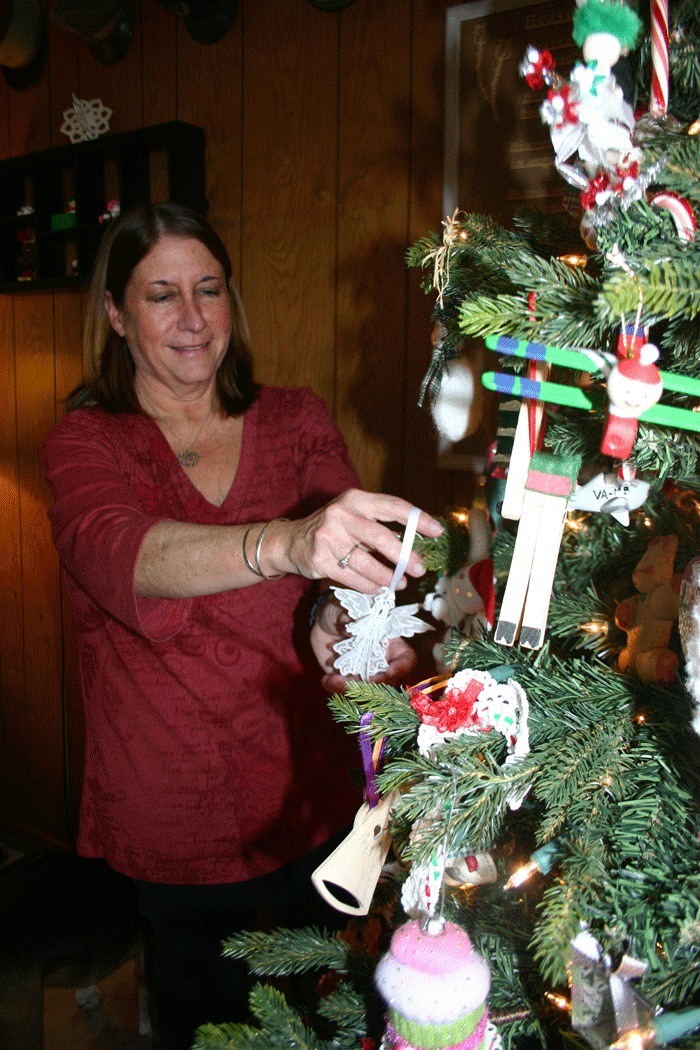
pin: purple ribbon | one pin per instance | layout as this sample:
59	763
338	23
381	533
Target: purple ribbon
366	749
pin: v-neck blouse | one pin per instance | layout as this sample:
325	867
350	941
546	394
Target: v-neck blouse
210	752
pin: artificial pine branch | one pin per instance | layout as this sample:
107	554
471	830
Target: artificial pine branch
282	951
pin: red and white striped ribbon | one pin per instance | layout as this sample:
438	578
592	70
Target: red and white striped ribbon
659	58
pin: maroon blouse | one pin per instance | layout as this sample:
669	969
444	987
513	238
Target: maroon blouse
210	752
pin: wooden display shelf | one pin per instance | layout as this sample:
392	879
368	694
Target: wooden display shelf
155	164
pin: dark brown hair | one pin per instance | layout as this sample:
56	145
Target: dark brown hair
110	365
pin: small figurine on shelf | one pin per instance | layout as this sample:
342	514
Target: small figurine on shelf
113	211
26	260
66	219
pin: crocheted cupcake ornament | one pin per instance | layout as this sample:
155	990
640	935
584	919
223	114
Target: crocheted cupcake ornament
435	986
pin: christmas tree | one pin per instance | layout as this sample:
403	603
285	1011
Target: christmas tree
542	792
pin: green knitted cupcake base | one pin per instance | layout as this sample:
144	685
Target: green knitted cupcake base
436	1036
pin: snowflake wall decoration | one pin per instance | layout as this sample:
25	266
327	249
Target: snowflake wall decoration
86	120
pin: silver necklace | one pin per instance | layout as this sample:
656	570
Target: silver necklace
188	455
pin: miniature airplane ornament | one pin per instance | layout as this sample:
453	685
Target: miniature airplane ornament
608	493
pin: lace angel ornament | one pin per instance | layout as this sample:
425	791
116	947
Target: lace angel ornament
375	620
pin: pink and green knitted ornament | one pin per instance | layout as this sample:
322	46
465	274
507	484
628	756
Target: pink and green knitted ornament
435	985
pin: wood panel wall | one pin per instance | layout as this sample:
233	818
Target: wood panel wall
324	162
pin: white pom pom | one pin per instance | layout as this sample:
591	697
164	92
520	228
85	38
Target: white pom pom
451	410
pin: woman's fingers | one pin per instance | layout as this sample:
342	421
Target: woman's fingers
401	658
349	542
360	516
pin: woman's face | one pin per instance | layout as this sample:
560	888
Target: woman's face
176	317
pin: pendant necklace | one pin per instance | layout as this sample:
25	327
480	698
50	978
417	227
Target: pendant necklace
188	455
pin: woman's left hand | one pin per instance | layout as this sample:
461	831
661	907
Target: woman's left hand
330	627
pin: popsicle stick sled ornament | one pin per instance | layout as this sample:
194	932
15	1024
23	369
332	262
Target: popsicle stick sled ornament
594	362
523	614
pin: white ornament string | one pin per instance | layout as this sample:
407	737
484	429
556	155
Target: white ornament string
406	547
375	620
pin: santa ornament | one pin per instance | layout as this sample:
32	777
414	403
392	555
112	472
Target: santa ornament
634	385
435	985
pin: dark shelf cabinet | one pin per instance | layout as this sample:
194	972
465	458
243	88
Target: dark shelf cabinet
164	162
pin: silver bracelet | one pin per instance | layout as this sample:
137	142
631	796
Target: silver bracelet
246	559
258	549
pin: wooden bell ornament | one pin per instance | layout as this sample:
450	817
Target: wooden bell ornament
348	878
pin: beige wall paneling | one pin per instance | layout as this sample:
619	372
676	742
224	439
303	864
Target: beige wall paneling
425	485
159	62
289	191
27	131
120	85
374	126
64	76
41	591
12	736
209	95
14	793
63	80
29	117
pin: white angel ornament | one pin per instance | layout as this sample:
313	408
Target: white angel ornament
375	620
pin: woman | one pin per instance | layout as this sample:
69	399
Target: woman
192	508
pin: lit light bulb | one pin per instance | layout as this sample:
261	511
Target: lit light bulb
542	860
521	875
595	627
560	1001
576	262
635	1039
575	524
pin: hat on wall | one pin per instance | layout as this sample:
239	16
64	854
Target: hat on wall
23	42
207	21
331	5
107	25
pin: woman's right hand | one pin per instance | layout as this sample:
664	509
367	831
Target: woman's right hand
347	542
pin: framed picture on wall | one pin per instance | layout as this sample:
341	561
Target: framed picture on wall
498	156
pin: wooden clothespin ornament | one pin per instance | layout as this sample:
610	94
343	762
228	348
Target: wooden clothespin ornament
528	434
523	614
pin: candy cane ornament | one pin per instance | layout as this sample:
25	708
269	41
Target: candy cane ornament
659	58
681	212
